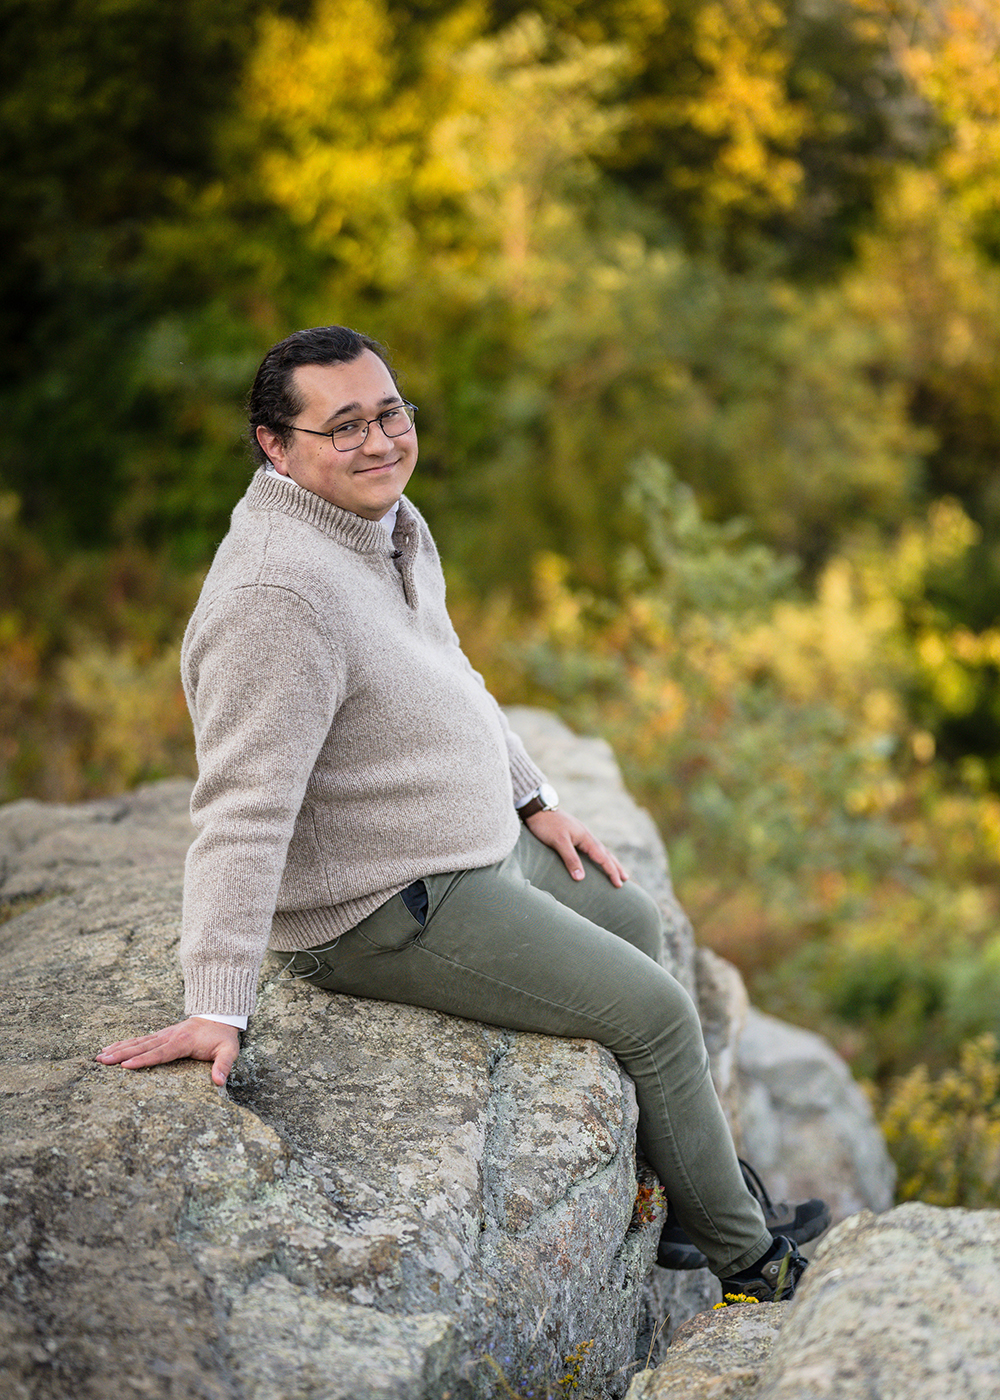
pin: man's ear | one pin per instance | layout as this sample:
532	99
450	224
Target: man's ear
273	448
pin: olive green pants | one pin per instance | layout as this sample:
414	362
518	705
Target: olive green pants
522	945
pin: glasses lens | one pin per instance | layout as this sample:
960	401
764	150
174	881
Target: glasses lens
349	435
396	421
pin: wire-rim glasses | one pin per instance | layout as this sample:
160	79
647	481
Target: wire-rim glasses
394	422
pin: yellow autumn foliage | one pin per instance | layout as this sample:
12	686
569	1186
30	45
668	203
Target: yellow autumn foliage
944	1130
744	105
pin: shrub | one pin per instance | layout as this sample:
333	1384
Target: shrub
814	837
944	1132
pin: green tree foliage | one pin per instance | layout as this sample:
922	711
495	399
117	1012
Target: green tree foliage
813	838
108	111
451	176
749	121
744	380
928	268
449	194
935	253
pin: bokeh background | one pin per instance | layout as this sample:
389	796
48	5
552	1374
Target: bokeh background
700	302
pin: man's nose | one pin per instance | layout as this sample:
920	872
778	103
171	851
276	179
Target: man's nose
378	439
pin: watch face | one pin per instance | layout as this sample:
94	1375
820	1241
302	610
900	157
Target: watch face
548	797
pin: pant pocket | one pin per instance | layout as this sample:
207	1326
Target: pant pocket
391	927
415	899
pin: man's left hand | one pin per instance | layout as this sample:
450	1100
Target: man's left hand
568	836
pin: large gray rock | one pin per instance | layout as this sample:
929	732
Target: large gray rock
804	1122
716	1354
386	1202
901	1305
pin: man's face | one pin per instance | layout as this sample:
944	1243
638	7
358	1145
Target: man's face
367	480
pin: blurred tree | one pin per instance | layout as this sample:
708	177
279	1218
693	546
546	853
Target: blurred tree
951	54
437	193
437	179
761	394
747	121
446	192
108	111
442	178
936	249
930	269
449	158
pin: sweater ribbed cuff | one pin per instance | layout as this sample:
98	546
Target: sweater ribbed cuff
525	777
230	991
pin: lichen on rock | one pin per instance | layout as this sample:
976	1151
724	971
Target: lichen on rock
386	1202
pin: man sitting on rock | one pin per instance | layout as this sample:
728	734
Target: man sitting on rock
363	807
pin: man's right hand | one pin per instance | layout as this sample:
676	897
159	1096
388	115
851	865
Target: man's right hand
193	1039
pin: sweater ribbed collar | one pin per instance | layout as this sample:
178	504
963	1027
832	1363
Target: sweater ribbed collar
365	536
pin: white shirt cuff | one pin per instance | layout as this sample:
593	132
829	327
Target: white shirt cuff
240	1022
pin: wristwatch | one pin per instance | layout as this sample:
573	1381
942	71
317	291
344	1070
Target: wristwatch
543	799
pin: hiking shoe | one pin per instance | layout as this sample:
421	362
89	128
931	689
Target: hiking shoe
797	1223
776	1280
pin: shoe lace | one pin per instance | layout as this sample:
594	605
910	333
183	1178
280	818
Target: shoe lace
754	1184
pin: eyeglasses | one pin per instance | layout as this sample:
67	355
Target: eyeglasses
394	422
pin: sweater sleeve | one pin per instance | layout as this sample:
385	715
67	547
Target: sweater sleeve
263	683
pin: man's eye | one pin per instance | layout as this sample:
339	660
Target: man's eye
392	415
347	428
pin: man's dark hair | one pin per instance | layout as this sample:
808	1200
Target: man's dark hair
273	402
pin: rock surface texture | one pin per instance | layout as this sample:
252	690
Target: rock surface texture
716	1354
900	1305
805	1123
895	1306
385	1203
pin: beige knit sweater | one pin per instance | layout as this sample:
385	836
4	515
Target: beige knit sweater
345	745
